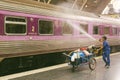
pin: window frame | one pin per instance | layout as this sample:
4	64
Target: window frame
62	29
98	29
113	32
83	29
15	23
104	29
53	25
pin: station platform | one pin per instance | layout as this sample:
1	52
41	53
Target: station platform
64	72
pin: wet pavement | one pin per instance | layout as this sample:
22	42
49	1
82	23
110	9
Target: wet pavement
84	73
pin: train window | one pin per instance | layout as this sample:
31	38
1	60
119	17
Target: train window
45	27
15	19
67	28
15	25
106	30
83	28
114	30
95	30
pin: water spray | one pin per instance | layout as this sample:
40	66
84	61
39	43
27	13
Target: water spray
79	28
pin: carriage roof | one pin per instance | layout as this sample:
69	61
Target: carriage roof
38	8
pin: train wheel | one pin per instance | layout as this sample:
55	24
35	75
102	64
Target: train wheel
92	63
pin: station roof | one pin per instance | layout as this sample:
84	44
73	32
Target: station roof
94	6
97	7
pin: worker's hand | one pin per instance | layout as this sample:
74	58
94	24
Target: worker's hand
96	51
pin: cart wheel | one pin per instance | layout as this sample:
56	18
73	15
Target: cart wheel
74	65
92	63
73	68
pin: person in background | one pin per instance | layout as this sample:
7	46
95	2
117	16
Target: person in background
106	51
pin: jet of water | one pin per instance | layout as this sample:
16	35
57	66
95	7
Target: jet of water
79	28
73	25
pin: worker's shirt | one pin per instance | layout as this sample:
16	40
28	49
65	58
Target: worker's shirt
106	46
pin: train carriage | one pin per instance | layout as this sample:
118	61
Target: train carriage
27	29
32	28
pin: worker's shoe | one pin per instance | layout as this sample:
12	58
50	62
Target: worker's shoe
107	66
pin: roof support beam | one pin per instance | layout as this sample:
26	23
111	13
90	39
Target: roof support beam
44	1
74	3
49	1
84	3
38	0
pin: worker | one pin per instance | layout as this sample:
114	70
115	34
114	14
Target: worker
106	52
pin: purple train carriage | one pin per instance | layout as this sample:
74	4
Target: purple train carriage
29	28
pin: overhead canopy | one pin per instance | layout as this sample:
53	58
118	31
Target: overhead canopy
94	6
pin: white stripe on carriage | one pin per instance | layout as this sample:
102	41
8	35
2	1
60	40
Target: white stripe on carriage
41	70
